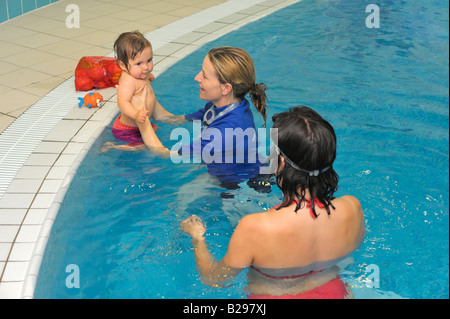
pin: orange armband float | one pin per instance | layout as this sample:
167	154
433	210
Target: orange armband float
96	72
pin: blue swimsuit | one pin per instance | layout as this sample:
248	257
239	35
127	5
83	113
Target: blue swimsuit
228	143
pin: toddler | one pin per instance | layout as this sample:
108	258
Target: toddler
135	57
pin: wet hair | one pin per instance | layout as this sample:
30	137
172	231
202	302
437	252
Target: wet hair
309	142
128	45
235	66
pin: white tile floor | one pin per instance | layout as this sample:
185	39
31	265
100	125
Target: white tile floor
45	135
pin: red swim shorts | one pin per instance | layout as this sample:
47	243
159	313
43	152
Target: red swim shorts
334	289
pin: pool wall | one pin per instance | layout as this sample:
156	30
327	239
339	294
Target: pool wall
42	149
10	9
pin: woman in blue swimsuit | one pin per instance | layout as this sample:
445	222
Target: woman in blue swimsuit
228	142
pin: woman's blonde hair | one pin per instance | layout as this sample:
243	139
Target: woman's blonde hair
235	66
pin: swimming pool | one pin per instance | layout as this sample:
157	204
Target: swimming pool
386	93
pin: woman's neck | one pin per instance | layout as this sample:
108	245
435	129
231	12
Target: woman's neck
226	100
306	197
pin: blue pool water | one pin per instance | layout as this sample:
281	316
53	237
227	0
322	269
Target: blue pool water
386	93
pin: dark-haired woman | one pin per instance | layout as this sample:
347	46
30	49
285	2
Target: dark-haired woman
292	250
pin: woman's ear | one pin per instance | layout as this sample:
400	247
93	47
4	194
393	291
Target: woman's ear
281	165
282	161
226	88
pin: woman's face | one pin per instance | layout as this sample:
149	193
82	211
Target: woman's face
210	87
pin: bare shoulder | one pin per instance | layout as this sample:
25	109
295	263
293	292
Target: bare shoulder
252	221
252	225
351	208
126	79
349	203
248	235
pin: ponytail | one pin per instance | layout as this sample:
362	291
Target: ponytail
259	97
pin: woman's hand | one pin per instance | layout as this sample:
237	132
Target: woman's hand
214	273
194	227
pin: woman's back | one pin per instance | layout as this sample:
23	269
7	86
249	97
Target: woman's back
285	238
